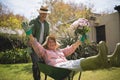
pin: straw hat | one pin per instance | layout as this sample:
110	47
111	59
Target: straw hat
44	9
53	37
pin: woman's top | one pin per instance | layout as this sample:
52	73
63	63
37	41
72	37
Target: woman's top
52	57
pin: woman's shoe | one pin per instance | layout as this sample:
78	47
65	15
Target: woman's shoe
114	59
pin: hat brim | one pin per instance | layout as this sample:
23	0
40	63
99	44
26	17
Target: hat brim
40	11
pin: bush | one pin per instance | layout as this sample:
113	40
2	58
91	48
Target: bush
14	56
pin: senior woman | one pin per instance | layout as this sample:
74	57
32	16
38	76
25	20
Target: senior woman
54	56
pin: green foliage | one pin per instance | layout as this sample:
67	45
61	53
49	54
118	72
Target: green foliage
14	56
12	41
8	19
82	31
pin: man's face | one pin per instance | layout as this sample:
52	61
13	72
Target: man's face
43	16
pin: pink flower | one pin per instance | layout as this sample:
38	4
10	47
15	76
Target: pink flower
80	26
81	22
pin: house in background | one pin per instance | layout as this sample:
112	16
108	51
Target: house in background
106	28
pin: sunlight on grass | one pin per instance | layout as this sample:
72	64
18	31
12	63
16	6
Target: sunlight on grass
105	74
16	72
24	72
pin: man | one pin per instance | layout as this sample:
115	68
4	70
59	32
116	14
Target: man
40	31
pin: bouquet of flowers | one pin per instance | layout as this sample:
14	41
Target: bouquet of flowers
81	27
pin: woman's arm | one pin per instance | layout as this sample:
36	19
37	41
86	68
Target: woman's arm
38	48
71	49
76	44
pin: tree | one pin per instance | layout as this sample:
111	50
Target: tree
8	19
10	23
63	14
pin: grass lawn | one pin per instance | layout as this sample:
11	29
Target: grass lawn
24	72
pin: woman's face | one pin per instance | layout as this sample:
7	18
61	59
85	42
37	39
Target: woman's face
51	44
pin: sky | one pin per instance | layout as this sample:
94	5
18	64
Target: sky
28	8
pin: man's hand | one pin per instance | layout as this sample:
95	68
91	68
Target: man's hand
27	28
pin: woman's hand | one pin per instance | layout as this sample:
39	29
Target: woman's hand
83	38
27	28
